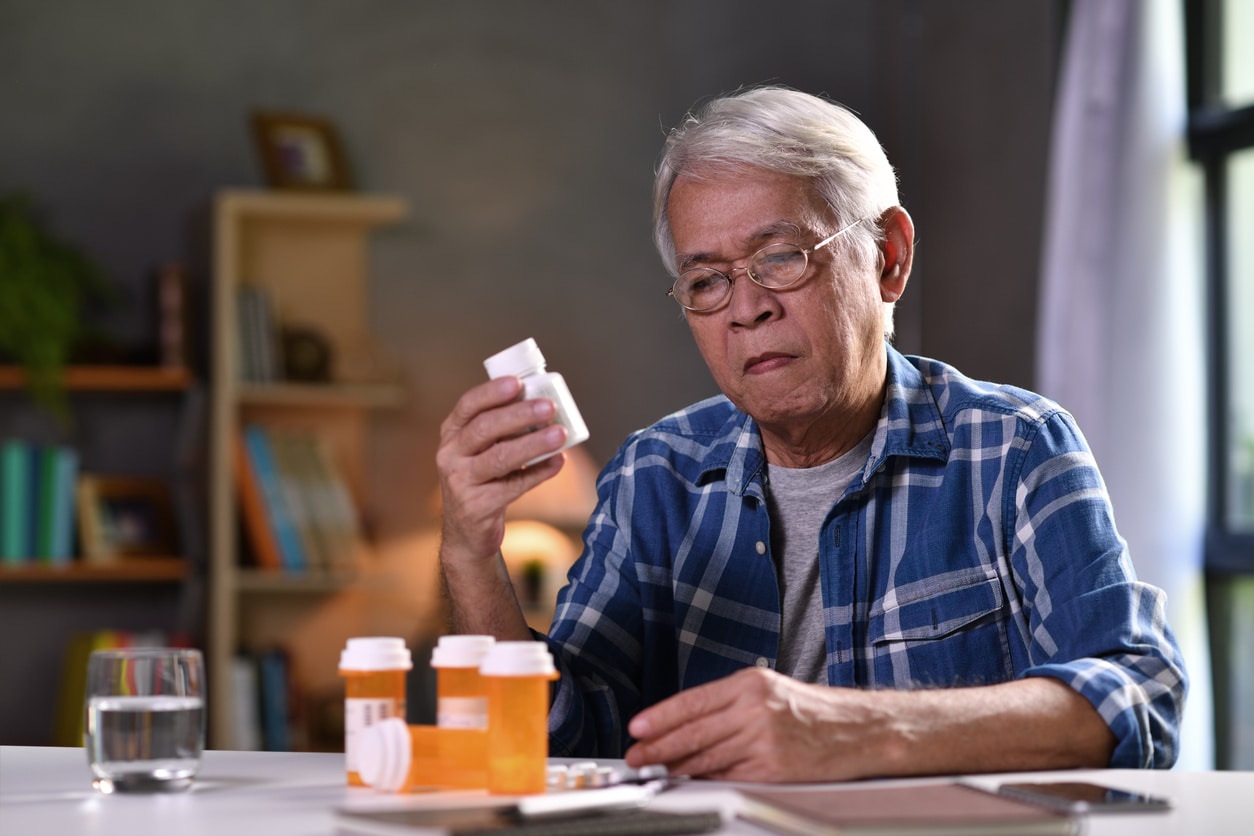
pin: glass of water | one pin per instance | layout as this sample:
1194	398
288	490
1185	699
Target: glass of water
145	718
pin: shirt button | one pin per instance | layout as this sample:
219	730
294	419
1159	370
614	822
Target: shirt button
763	662
760	546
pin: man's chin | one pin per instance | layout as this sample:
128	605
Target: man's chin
774	407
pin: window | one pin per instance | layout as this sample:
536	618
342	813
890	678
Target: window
1237	76
1221	139
1239	513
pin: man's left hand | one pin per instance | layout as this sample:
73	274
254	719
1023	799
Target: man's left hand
758	725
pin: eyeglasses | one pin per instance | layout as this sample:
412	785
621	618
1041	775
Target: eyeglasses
774	267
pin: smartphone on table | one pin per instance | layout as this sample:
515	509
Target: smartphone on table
1084	797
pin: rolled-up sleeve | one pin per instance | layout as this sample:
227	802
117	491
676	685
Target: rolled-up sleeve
1092	624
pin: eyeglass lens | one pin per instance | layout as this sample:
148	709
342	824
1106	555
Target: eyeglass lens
774	266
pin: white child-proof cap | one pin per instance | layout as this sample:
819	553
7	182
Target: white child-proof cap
460	651
516	360
376	653
518	659
384	754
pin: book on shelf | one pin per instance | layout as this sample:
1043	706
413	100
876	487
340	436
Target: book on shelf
245	705
266	702
65	521
43	484
257	332
297	510
57	517
332	524
276	699
290	461
14	501
337	511
254	513
949	808
37	517
278	513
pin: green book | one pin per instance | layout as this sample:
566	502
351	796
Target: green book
62	516
15	514
46	499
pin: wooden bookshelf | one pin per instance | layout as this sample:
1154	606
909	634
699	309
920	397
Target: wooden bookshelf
104	379
109	378
309	254
312	395
127	570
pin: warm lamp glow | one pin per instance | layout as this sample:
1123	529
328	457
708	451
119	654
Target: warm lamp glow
537	557
530	542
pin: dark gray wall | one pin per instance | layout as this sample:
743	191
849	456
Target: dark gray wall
523	134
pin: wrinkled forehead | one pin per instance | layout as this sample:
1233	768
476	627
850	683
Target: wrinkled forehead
730	210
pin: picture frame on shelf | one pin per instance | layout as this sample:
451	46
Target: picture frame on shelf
125	517
300	151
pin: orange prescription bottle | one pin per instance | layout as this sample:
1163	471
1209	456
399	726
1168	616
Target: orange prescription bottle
374	671
461	702
516	677
396	757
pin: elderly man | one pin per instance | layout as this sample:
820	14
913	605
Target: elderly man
852	563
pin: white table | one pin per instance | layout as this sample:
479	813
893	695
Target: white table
46	790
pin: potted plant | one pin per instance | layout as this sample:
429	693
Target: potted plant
45	286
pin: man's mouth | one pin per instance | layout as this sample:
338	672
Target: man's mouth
767	362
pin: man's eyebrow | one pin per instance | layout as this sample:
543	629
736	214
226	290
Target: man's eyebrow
771	232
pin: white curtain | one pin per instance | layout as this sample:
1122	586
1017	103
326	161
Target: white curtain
1120	337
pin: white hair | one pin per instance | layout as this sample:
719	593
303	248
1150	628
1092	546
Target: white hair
788	132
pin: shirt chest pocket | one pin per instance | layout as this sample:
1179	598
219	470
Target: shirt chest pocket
949	634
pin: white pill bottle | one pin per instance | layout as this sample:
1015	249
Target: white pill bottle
526	362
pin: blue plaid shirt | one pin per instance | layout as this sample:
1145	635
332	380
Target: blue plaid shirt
976	546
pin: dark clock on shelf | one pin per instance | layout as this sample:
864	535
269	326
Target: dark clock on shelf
306	356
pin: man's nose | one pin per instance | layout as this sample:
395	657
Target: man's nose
752	304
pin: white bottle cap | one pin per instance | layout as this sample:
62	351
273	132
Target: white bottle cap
518	659
460	651
383	754
516	360
376	653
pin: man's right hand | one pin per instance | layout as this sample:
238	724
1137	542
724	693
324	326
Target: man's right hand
484	443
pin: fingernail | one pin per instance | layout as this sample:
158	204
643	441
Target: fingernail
543	409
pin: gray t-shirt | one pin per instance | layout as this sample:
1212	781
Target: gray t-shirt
799	500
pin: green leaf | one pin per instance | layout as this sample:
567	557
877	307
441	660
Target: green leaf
45	286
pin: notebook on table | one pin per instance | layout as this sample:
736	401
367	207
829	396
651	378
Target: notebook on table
946	809
498	822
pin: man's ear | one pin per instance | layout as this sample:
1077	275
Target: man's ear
898	253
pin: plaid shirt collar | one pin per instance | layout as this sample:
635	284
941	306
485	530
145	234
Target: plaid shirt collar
910	424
